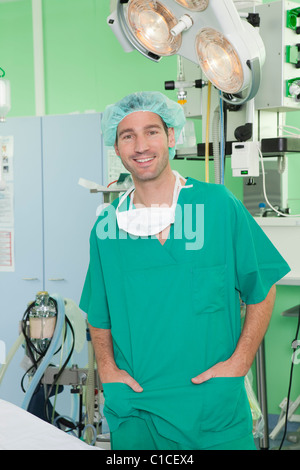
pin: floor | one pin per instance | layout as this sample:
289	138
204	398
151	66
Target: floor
292	428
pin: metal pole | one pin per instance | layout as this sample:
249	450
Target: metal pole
38	55
262	393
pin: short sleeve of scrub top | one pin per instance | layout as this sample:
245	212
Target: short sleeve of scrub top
94	299
259	265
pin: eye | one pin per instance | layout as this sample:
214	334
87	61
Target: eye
126	136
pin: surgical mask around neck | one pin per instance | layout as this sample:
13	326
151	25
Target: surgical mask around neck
148	221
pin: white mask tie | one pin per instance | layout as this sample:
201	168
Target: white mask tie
148	221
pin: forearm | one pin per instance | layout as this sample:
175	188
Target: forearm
107	367
104	353
255	326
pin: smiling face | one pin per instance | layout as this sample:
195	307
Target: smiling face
143	145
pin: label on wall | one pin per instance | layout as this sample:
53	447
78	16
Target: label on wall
7	262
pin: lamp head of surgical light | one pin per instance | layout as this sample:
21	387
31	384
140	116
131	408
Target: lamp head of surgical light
207	32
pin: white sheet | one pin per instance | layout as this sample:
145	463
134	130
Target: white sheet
20	430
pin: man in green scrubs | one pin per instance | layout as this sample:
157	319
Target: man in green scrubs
169	262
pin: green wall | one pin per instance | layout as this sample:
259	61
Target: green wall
16	45
86	69
282	330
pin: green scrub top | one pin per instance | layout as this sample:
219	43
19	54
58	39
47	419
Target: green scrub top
174	312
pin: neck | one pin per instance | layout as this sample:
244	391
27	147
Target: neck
156	191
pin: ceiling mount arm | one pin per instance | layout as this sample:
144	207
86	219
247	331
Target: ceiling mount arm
254	66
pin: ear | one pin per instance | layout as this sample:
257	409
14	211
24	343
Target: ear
116	149
171	137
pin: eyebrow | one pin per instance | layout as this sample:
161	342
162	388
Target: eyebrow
130	129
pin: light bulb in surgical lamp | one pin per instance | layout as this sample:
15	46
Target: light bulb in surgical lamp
219	60
151	23
194	5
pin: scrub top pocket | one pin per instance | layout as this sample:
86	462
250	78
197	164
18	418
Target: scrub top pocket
225	404
208	289
117	406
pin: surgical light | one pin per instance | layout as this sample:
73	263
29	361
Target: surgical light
151	24
219	60
207	32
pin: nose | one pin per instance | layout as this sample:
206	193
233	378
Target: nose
141	144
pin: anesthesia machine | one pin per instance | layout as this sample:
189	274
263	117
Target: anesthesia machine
50	330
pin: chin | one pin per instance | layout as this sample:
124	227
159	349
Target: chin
146	176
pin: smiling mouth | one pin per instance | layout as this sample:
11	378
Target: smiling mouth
144	160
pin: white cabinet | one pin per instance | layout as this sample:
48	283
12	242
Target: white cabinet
72	148
53	218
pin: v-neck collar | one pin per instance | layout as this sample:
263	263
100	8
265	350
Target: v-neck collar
147	250
168	244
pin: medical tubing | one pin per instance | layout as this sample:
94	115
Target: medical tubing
50	351
63	366
222	143
94	431
66	420
216	144
284	126
290	387
56	389
265	192
30	347
10	355
28	342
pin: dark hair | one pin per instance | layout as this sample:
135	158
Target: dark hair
164	126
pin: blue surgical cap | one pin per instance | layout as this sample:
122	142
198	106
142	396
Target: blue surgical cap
170	112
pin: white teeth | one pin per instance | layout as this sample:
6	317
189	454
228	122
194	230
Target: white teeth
145	160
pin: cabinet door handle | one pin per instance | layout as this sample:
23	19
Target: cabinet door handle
56	279
29	279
